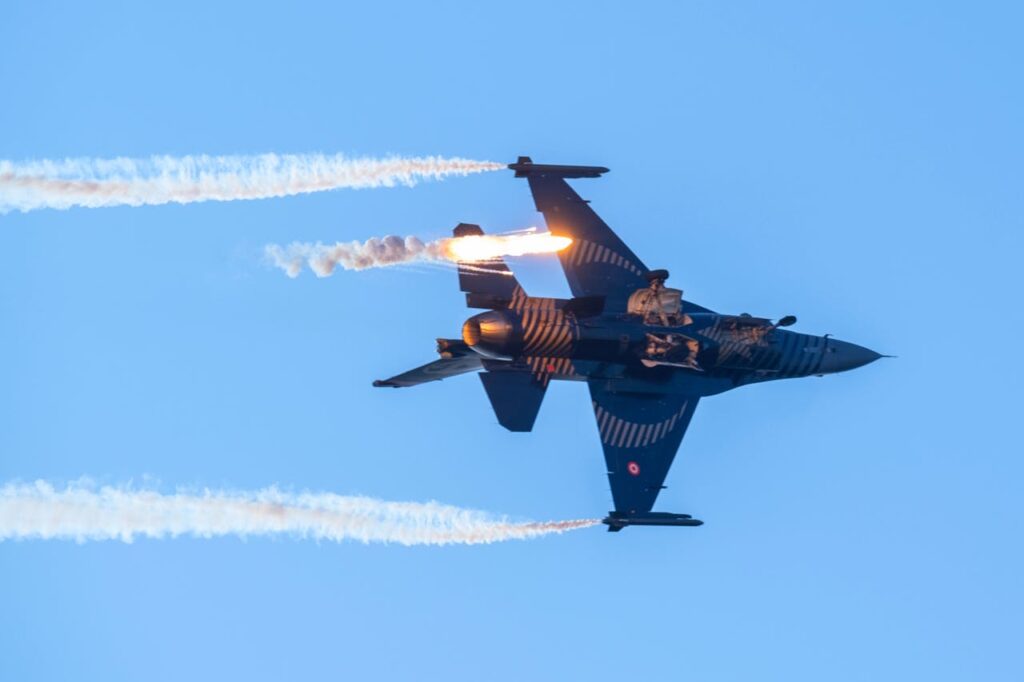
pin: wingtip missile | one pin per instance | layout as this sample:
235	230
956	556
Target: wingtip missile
524	166
616	521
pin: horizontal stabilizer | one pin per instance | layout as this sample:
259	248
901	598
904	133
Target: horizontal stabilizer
616	521
525	166
515	397
452	363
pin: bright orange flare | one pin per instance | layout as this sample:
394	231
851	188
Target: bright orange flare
488	247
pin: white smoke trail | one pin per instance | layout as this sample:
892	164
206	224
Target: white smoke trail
324	259
82	512
92	183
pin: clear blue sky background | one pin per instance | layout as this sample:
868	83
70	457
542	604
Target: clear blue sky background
858	165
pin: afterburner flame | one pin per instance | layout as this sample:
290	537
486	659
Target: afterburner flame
379	252
486	247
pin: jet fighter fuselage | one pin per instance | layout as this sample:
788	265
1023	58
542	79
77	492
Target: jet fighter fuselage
730	350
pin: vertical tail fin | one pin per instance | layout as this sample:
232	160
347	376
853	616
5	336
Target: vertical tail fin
515	396
515	393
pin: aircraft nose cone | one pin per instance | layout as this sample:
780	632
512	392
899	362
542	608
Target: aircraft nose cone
841	356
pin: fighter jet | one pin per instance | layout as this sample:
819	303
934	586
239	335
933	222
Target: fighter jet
646	354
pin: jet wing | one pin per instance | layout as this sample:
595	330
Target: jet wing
597	263
640	434
434	371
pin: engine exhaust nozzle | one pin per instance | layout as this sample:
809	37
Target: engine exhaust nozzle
491	334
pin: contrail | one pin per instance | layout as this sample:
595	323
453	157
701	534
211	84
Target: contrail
92	183
324	259
82	512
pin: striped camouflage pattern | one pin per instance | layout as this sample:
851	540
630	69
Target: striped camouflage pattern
546	368
617	432
801	354
734	346
783	355
547	331
582	252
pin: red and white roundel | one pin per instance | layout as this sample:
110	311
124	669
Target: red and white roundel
633	468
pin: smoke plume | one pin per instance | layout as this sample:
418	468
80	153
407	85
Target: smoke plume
29	185
82	512
324	259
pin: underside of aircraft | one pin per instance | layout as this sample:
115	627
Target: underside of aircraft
646	354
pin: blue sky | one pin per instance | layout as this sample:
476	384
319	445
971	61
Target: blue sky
858	166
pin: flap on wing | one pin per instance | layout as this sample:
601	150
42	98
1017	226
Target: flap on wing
434	371
515	396
640	433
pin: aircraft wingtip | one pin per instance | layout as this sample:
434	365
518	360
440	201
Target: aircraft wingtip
524	166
